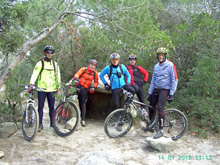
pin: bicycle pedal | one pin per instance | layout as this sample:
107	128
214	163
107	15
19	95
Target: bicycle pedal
145	129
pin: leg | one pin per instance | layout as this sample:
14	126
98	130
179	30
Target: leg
153	103
51	101
136	87
129	88
83	95
83	111
140	94
163	94
116	97
41	100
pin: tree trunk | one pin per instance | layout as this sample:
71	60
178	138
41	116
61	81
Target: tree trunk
31	43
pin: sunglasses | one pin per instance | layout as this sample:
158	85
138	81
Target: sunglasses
132	59
49	52
93	64
115	59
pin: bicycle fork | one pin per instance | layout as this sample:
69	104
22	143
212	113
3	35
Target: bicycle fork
27	114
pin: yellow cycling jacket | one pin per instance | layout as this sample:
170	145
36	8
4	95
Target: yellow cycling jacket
47	79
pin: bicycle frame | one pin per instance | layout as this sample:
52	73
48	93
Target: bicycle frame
134	102
66	96
30	119
119	122
29	102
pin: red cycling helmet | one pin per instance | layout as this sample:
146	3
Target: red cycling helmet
93	61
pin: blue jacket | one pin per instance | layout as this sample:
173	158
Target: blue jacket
114	80
164	77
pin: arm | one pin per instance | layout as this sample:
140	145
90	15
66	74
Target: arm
103	73
96	80
174	79
144	72
58	77
152	84
127	74
36	72
79	73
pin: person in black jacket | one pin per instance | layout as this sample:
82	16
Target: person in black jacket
137	81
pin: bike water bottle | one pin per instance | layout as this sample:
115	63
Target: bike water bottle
144	112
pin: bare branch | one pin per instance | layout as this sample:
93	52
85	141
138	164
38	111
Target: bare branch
31	43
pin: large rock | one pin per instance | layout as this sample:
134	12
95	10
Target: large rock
162	144
19	125
3	163
7	129
100	104
103	158
2	154
101	88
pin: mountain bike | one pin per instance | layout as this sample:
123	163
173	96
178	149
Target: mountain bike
66	114
30	120
119	122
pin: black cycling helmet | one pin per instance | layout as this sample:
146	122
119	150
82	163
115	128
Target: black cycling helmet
114	56
93	61
132	56
48	47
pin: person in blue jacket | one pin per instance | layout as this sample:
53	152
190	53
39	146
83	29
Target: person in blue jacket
117	73
162	88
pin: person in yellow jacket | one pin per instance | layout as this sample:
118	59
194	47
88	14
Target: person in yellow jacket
48	74
83	79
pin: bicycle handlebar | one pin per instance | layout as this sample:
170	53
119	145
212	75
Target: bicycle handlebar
33	88
67	86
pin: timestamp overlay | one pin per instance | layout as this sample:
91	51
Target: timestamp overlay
184	157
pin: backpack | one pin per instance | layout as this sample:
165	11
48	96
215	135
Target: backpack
133	72
89	73
128	66
111	70
42	68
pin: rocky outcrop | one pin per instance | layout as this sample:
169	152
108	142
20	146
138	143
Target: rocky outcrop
2	154
104	158
100	103
7	129
162	144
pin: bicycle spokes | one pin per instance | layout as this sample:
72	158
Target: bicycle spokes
65	118
175	124
118	123
30	123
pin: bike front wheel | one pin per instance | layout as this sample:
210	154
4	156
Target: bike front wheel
30	123
65	118
118	123
175	124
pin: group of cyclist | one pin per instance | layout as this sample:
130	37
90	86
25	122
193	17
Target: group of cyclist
162	88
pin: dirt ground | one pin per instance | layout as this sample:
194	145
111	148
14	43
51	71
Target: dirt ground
48	148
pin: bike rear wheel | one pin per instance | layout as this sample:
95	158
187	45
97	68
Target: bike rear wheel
118	123
30	123
175	124
65	118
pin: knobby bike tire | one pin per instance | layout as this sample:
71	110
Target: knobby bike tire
31	124
116	119
175	124
65	125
